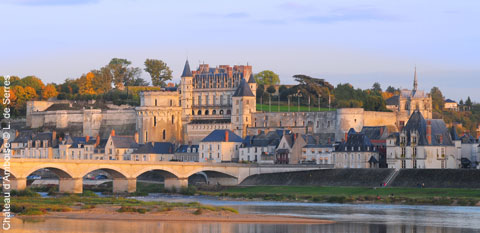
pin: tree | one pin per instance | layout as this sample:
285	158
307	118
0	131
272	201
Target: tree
437	99
34	82
140	82
122	74
271	90
460	102
49	91
159	72
260	91
102	80
85	84
30	93
392	90
468	103
267	77
376	87
312	88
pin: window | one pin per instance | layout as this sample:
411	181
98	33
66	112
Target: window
163	134
154	121
173	119
171	103
155	102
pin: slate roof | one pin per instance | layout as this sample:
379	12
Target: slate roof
155	148
124	142
375	132
23	136
417	122
252	79
186	70
356	142
243	89
184	148
394	100
272	138
449	101
468	139
218	135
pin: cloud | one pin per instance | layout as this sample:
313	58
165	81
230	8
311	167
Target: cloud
358	13
51	2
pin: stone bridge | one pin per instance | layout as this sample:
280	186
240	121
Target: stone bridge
125	173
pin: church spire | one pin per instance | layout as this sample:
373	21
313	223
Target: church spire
415	84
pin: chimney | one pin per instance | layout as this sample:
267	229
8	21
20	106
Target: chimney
87	138
112	133
136	137
441	139
54	135
17	133
226	135
381	131
346	136
294	137
429	132
97	141
329	141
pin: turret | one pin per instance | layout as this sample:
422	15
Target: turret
244	104
186	92
253	85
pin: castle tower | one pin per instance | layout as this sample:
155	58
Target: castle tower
186	92
243	106
253	85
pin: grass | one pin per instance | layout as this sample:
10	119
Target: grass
432	196
293	108
28	204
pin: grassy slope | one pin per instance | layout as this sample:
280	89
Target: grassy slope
357	191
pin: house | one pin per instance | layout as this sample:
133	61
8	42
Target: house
469	151
120	147
422	144
220	145
299	142
282	153
186	153
450	105
356	152
76	148
378	137
154	151
35	145
318	154
260	148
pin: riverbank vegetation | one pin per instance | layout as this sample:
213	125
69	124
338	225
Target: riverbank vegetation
389	195
29	202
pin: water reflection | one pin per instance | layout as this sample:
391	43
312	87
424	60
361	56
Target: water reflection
96	226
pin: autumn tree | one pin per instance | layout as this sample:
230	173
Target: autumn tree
49	91
85	85
267	78
34	82
159	72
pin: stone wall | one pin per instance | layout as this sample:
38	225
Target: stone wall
437	178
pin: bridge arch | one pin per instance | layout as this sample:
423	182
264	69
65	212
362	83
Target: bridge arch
60	171
166	172
115	172
215	176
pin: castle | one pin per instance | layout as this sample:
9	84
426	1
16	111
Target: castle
217	98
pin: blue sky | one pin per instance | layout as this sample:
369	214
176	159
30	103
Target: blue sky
353	41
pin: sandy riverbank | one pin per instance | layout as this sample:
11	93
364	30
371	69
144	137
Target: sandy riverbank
106	212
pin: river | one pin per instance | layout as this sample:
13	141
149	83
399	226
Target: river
350	218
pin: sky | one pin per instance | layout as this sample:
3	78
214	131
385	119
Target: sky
343	41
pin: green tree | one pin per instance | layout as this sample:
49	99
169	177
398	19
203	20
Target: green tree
468	103
312	88
267	77
271	90
122	74
437	99
102	81
159	72
376	87
260	92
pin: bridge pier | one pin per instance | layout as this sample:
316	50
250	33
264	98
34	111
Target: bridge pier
124	185
70	185
17	184
176	182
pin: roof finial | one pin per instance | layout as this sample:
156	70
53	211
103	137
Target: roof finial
415	83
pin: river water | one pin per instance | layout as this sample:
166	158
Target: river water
350	218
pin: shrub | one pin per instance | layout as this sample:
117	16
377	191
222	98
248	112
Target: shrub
25	193
88	193
199	211
190	190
